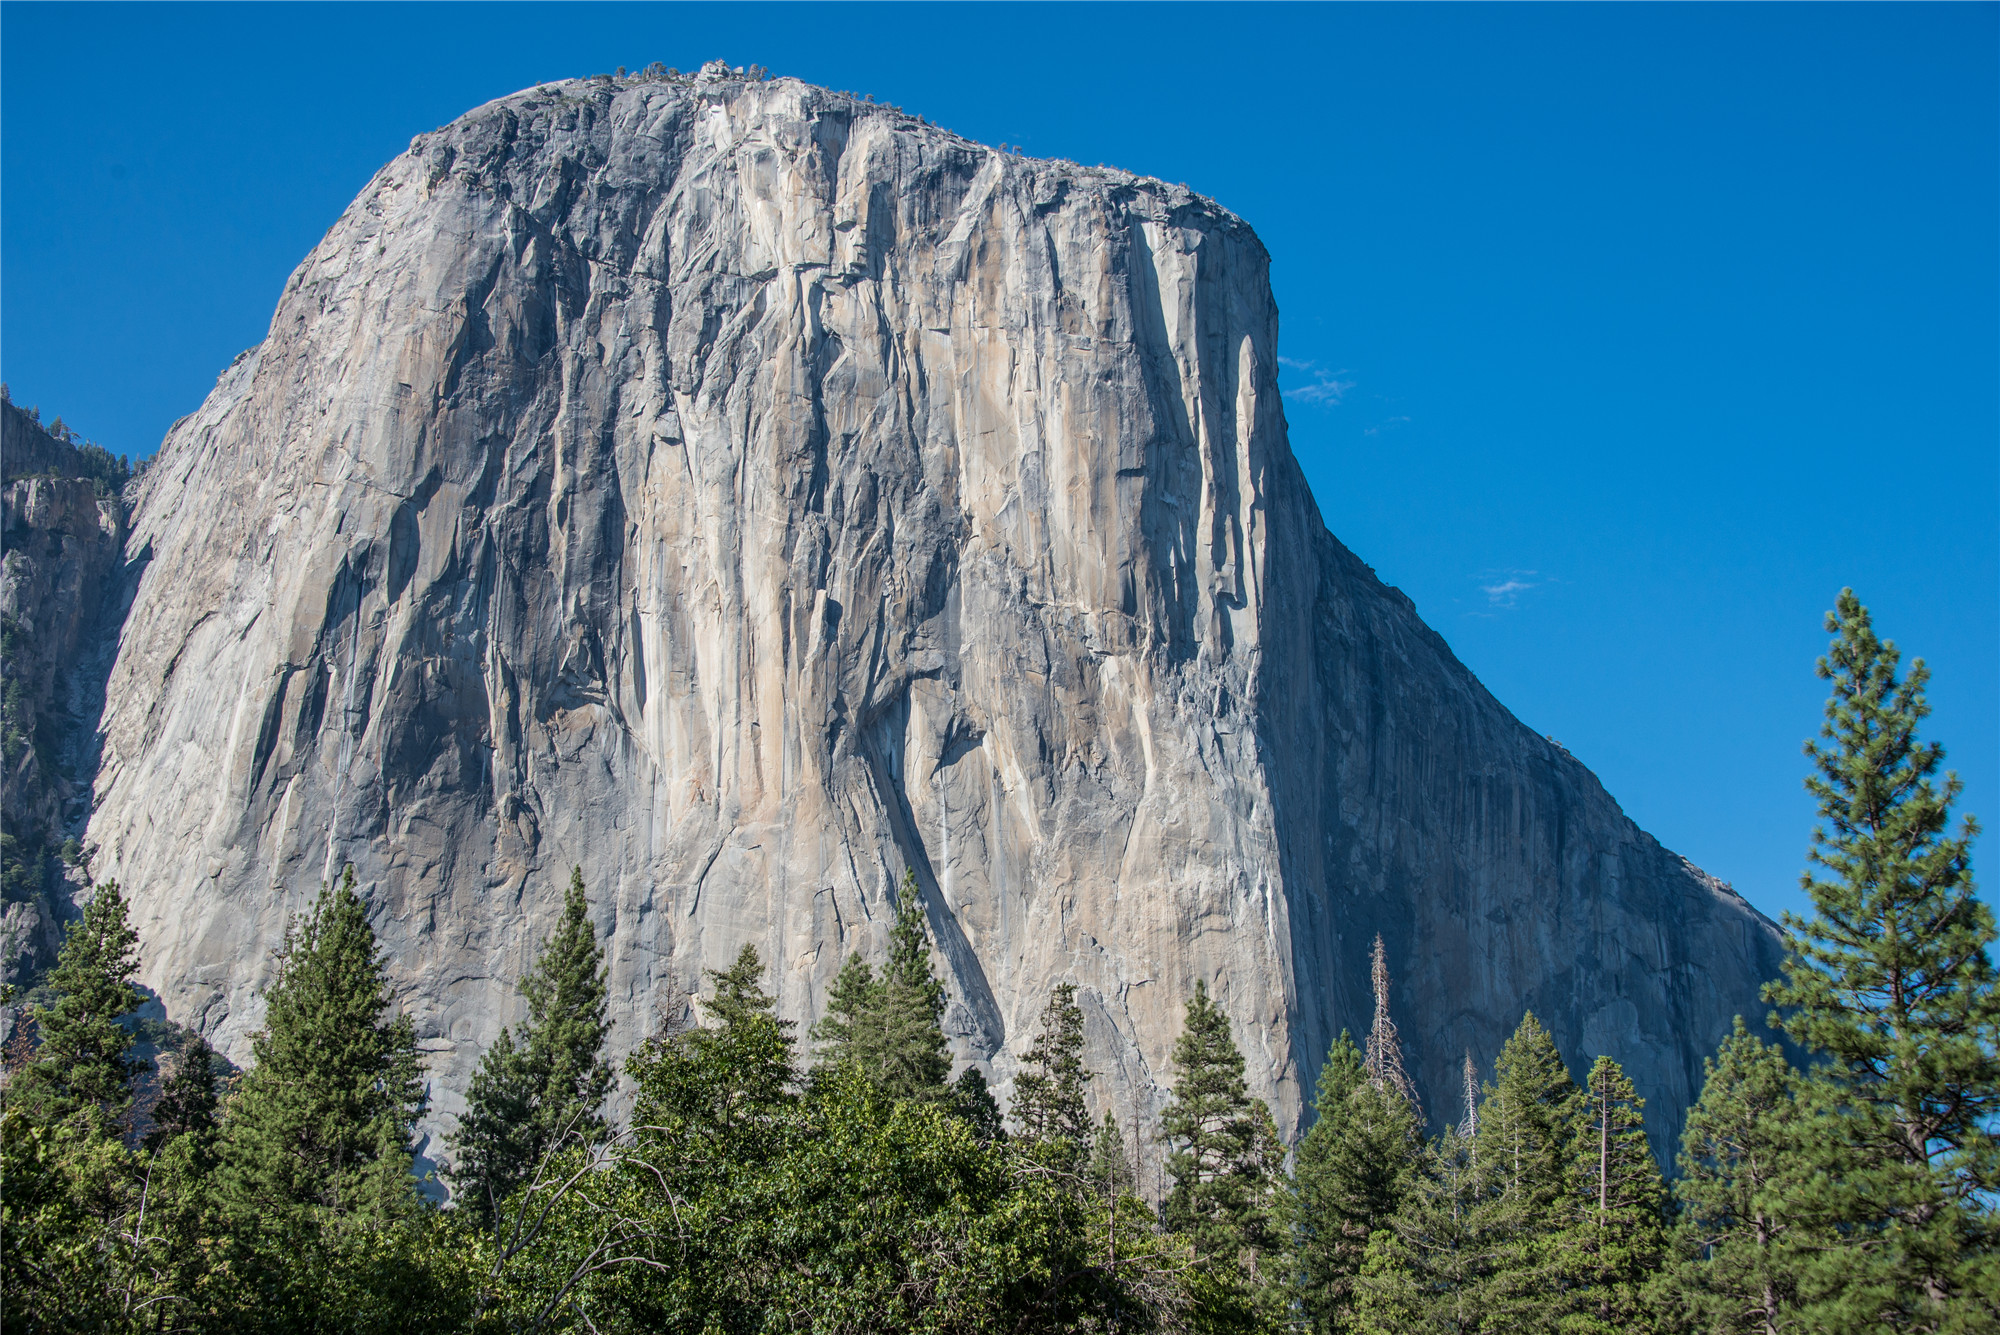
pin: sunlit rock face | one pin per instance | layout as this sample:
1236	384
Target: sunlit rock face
745	493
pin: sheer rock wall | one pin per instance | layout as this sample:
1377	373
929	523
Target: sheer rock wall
744	492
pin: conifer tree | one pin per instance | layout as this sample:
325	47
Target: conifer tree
887	1026
533	1094
716	1087
323	1119
1224	1152
1528	1180
1615	1241
913	1059
82	1067
1385	1048
1350	1175
1428	1270
1737	1252
1891	985
1111	1170
187	1106
1049	1095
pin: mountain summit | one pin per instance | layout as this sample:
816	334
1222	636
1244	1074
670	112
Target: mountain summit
747	492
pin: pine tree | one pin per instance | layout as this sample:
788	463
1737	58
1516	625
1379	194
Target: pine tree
887	1026
1224	1151
1891	984
536	1093
324	1118
913	1060
1049	1095
1615	1241
1523	1156
715	1087
1737	1251
82	1067
1350	1175
1428	1270
1385	1049
187	1106
1111	1171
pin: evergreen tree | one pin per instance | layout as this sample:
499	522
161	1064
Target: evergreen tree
82	1067
187	1106
912	1061
323	1119
1111	1170
721	1079
1224	1152
1737	1251
1891	984
1616	1239
1049	1095
1523	1155
1350	1175
972	1099
532	1094
1429	1269
887	1026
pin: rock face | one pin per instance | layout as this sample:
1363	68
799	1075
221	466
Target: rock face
745	492
62	545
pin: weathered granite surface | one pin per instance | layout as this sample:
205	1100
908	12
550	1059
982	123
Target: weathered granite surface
743	491
62	552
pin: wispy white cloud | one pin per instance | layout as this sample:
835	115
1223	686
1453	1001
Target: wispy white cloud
1507	586
1321	387
1387	424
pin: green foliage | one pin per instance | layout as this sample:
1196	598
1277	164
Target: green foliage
1350	1175
1890	984
1049	1109
1615	1238
531	1095
83	1068
323	1120
1430	1267
1524	1162
886	1026
1224	1155
1737	1248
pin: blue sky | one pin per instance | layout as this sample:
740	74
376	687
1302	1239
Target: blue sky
1620	338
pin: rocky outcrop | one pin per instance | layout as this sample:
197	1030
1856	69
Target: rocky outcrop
744	492
62	540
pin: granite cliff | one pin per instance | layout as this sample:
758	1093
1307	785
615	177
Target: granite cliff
62	587
744	492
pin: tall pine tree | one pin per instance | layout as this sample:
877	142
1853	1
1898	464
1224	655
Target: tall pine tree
323	1120
1049	1095
1615	1241
1428	1269
82	1068
1523	1155
1737	1250
533	1094
1350	1175
1891	985
1224	1151
887	1026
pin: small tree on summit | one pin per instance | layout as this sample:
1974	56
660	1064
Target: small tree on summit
532	1094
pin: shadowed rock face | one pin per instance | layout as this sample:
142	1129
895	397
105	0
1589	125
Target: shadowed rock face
744	493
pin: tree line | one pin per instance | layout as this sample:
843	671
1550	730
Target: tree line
1842	1179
